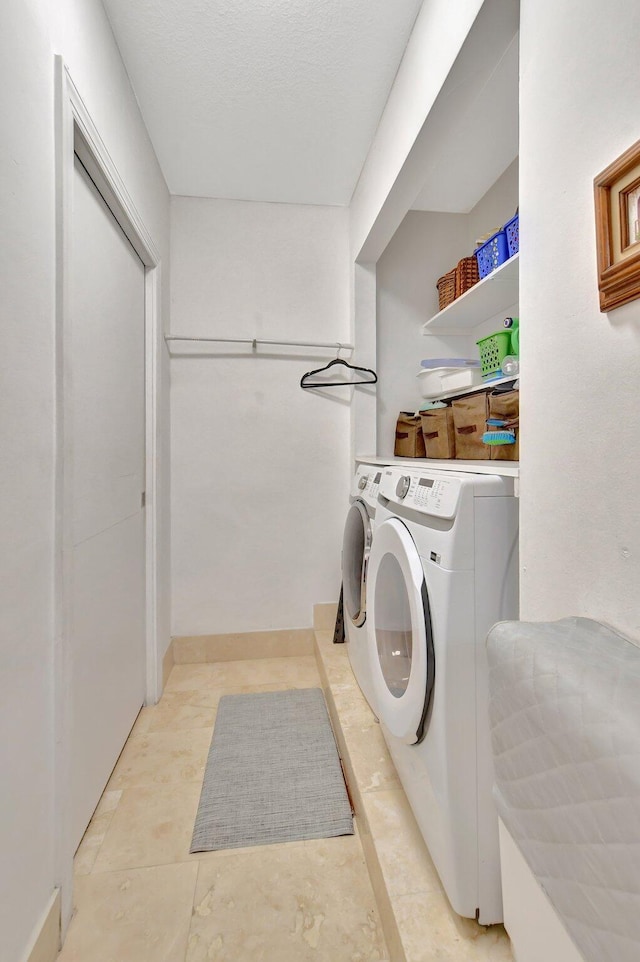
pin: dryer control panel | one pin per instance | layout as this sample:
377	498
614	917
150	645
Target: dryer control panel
366	483
428	493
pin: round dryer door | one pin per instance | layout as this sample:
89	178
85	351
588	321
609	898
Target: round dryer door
399	633
356	544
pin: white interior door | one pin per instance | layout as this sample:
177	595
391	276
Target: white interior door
106	422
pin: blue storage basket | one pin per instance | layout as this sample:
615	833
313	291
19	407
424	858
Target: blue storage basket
511	229
492	254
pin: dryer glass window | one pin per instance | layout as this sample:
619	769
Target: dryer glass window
393	626
353	556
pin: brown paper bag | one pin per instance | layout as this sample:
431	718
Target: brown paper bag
505	406
409	439
438	433
470	422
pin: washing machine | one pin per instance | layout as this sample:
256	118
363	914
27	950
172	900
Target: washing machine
443	568
356	546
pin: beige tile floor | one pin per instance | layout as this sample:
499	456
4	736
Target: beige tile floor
140	896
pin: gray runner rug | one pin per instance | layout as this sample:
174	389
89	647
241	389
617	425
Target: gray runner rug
273	773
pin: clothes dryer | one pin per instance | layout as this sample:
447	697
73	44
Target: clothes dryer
443	569
356	546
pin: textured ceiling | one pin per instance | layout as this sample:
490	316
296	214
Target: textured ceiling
271	100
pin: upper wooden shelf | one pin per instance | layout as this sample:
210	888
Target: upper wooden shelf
491	295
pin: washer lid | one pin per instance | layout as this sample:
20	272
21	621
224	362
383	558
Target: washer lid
399	633
356	544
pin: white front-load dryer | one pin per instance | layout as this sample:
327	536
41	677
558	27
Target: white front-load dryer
357	541
443	569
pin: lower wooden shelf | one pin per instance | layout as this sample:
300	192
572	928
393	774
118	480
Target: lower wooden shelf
505	469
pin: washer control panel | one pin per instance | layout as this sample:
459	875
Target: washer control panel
427	493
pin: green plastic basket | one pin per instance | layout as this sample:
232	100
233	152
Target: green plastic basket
493	349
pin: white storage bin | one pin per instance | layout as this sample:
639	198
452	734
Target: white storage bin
443	380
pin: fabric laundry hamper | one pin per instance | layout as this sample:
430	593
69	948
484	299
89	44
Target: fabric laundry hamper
409	440
470	422
505	406
439	433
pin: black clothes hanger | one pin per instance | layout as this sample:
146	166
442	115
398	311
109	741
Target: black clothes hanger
338	360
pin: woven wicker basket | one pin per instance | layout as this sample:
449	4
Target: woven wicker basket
446	289
466	274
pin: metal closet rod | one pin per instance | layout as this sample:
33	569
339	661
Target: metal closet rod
254	341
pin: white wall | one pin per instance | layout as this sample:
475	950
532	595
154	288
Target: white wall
425	246
580	526
31	31
260	468
434	44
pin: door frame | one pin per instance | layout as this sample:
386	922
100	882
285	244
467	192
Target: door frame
76	133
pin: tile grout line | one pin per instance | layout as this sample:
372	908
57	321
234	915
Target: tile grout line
193	906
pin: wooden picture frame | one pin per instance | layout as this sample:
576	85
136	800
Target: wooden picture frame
617	208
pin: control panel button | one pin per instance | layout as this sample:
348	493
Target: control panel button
362	483
437	496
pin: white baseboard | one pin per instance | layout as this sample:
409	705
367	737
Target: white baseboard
167	665
45	941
